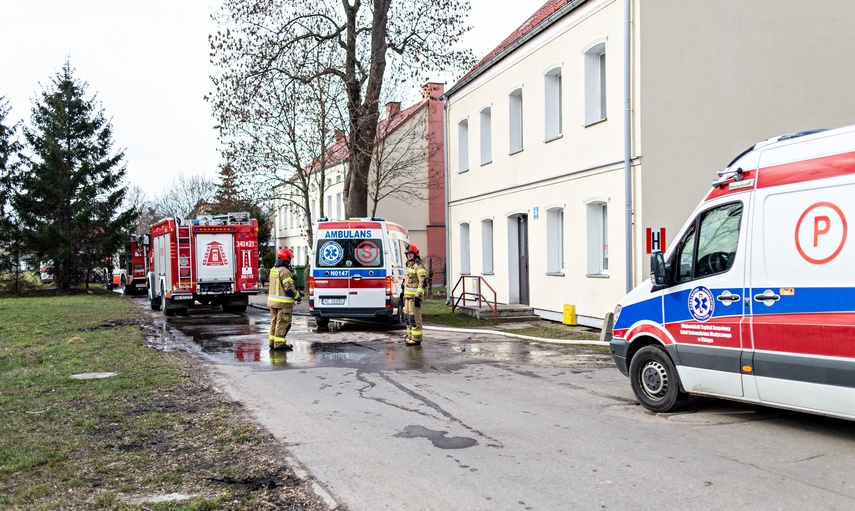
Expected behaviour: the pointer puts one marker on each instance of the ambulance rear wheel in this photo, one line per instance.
(323, 322)
(655, 381)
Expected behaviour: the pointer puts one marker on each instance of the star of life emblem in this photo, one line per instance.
(331, 253)
(701, 303)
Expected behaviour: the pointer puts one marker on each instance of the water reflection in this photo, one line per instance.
(365, 346)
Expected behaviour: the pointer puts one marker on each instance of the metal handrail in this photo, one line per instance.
(479, 295)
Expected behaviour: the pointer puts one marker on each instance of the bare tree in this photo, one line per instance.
(269, 44)
(184, 196)
(284, 145)
(400, 167)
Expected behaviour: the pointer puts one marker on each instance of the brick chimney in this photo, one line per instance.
(393, 108)
(432, 90)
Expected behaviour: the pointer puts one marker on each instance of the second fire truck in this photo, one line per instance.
(212, 260)
(127, 269)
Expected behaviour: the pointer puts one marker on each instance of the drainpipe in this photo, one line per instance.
(627, 139)
(445, 177)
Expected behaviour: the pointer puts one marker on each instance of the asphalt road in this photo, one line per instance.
(479, 422)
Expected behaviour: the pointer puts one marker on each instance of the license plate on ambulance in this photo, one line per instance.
(332, 301)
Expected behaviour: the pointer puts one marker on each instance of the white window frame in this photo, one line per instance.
(486, 118)
(555, 241)
(487, 265)
(595, 83)
(339, 205)
(515, 121)
(598, 237)
(553, 104)
(463, 145)
(465, 259)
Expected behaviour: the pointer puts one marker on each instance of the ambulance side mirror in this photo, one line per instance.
(658, 269)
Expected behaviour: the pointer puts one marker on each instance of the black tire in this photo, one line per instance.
(655, 381)
(323, 322)
(155, 303)
(124, 285)
(398, 317)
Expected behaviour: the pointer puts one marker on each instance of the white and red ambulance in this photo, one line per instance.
(358, 270)
(756, 299)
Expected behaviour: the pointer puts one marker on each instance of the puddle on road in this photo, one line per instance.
(242, 338)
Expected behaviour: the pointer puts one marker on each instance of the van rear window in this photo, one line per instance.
(349, 253)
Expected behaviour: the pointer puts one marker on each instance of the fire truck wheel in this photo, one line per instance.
(155, 303)
(124, 285)
(655, 381)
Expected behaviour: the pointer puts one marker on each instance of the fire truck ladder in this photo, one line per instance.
(241, 218)
(185, 256)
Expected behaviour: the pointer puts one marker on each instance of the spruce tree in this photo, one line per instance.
(10, 238)
(71, 187)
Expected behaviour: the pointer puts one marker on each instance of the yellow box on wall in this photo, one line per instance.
(569, 315)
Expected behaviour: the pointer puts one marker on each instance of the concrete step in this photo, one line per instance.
(506, 313)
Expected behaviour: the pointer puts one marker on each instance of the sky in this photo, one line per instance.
(147, 64)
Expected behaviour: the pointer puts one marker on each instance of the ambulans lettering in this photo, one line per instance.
(347, 234)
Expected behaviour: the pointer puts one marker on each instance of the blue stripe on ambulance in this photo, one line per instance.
(326, 273)
(806, 300)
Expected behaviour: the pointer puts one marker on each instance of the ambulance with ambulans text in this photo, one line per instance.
(358, 270)
(755, 301)
(209, 261)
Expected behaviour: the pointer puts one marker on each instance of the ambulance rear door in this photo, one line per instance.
(349, 268)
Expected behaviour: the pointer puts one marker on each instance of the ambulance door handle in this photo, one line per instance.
(768, 297)
(357, 277)
(727, 298)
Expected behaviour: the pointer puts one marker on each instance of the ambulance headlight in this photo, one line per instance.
(617, 313)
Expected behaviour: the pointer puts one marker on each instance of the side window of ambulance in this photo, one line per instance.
(718, 238)
(685, 256)
(709, 246)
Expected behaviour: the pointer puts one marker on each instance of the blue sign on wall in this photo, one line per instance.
(536, 212)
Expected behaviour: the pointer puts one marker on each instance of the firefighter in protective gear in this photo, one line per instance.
(281, 299)
(414, 291)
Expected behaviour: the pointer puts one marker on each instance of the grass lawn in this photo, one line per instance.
(156, 428)
(435, 311)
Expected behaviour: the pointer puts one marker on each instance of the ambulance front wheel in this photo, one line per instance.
(655, 381)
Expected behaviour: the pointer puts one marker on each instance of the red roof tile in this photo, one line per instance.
(539, 16)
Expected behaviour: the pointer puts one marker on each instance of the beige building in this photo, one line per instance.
(406, 184)
(549, 131)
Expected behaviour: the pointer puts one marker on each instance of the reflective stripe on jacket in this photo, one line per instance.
(414, 282)
(281, 281)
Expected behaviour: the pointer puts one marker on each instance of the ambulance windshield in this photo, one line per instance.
(350, 253)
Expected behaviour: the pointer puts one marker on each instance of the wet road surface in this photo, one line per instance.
(242, 339)
(472, 421)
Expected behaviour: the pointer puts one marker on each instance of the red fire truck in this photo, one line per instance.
(127, 269)
(212, 260)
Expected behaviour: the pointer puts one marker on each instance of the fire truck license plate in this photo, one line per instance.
(332, 301)
(182, 297)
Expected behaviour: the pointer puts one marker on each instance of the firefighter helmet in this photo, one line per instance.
(285, 254)
(412, 249)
